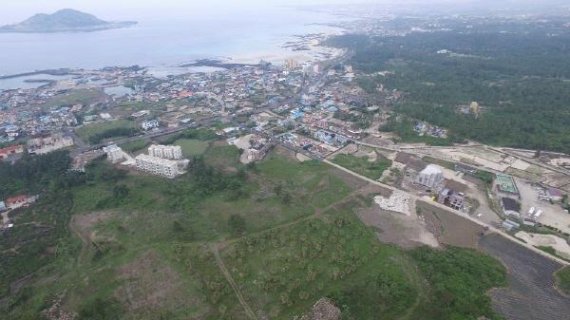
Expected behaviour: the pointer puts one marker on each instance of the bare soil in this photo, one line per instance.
(530, 294)
(149, 284)
(450, 228)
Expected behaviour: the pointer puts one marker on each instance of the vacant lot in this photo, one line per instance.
(192, 147)
(87, 132)
(530, 294)
(371, 168)
(449, 228)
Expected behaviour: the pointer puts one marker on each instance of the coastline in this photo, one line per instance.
(305, 48)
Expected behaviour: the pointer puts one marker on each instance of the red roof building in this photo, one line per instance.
(11, 150)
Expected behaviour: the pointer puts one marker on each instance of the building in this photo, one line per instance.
(431, 177)
(114, 153)
(506, 184)
(165, 152)
(2, 206)
(19, 201)
(511, 207)
(554, 194)
(49, 144)
(11, 150)
(150, 124)
(161, 167)
(451, 199)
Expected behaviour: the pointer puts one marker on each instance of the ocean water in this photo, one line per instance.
(161, 41)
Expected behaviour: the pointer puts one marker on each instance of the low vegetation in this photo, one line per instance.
(363, 165)
(284, 230)
(563, 280)
(97, 132)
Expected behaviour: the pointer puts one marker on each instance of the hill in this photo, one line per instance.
(65, 20)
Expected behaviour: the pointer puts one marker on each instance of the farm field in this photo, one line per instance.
(530, 293)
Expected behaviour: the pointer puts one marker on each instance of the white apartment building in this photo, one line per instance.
(114, 153)
(158, 166)
(165, 152)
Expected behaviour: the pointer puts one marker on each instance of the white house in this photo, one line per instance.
(150, 124)
(431, 177)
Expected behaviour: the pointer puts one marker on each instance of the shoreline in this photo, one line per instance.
(307, 48)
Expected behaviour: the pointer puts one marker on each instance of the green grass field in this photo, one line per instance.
(362, 166)
(80, 96)
(88, 131)
(563, 280)
(192, 147)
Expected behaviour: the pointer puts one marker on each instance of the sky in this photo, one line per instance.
(13, 11)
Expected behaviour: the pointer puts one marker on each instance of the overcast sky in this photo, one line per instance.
(12, 11)
(16, 10)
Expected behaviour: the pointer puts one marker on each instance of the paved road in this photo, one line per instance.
(465, 216)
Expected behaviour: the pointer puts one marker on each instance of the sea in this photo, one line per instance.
(163, 42)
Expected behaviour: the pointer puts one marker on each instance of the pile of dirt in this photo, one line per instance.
(324, 309)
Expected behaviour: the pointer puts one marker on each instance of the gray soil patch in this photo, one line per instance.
(530, 294)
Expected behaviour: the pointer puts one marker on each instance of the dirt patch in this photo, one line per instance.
(407, 231)
(546, 240)
(449, 228)
(302, 158)
(149, 285)
(530, 294)
(84, 224)
(324, 309)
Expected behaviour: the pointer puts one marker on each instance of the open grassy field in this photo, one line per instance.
(87, 132)
(135, 145)
(362, 166)
(79, 96)
(192, 147)
(563, 280)
(263, 241)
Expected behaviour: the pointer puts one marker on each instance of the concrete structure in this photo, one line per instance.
(165, 152)
(397, 202)
(451, 199)
(161, 167)
(150, 124)
(114, 153)
(431, 177)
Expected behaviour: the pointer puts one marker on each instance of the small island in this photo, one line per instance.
(66, 20)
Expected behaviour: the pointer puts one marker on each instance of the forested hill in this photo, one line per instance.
(522, 80)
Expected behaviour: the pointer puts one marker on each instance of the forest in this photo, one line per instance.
(521, 80)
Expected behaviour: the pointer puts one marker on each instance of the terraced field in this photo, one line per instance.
(531, 294)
